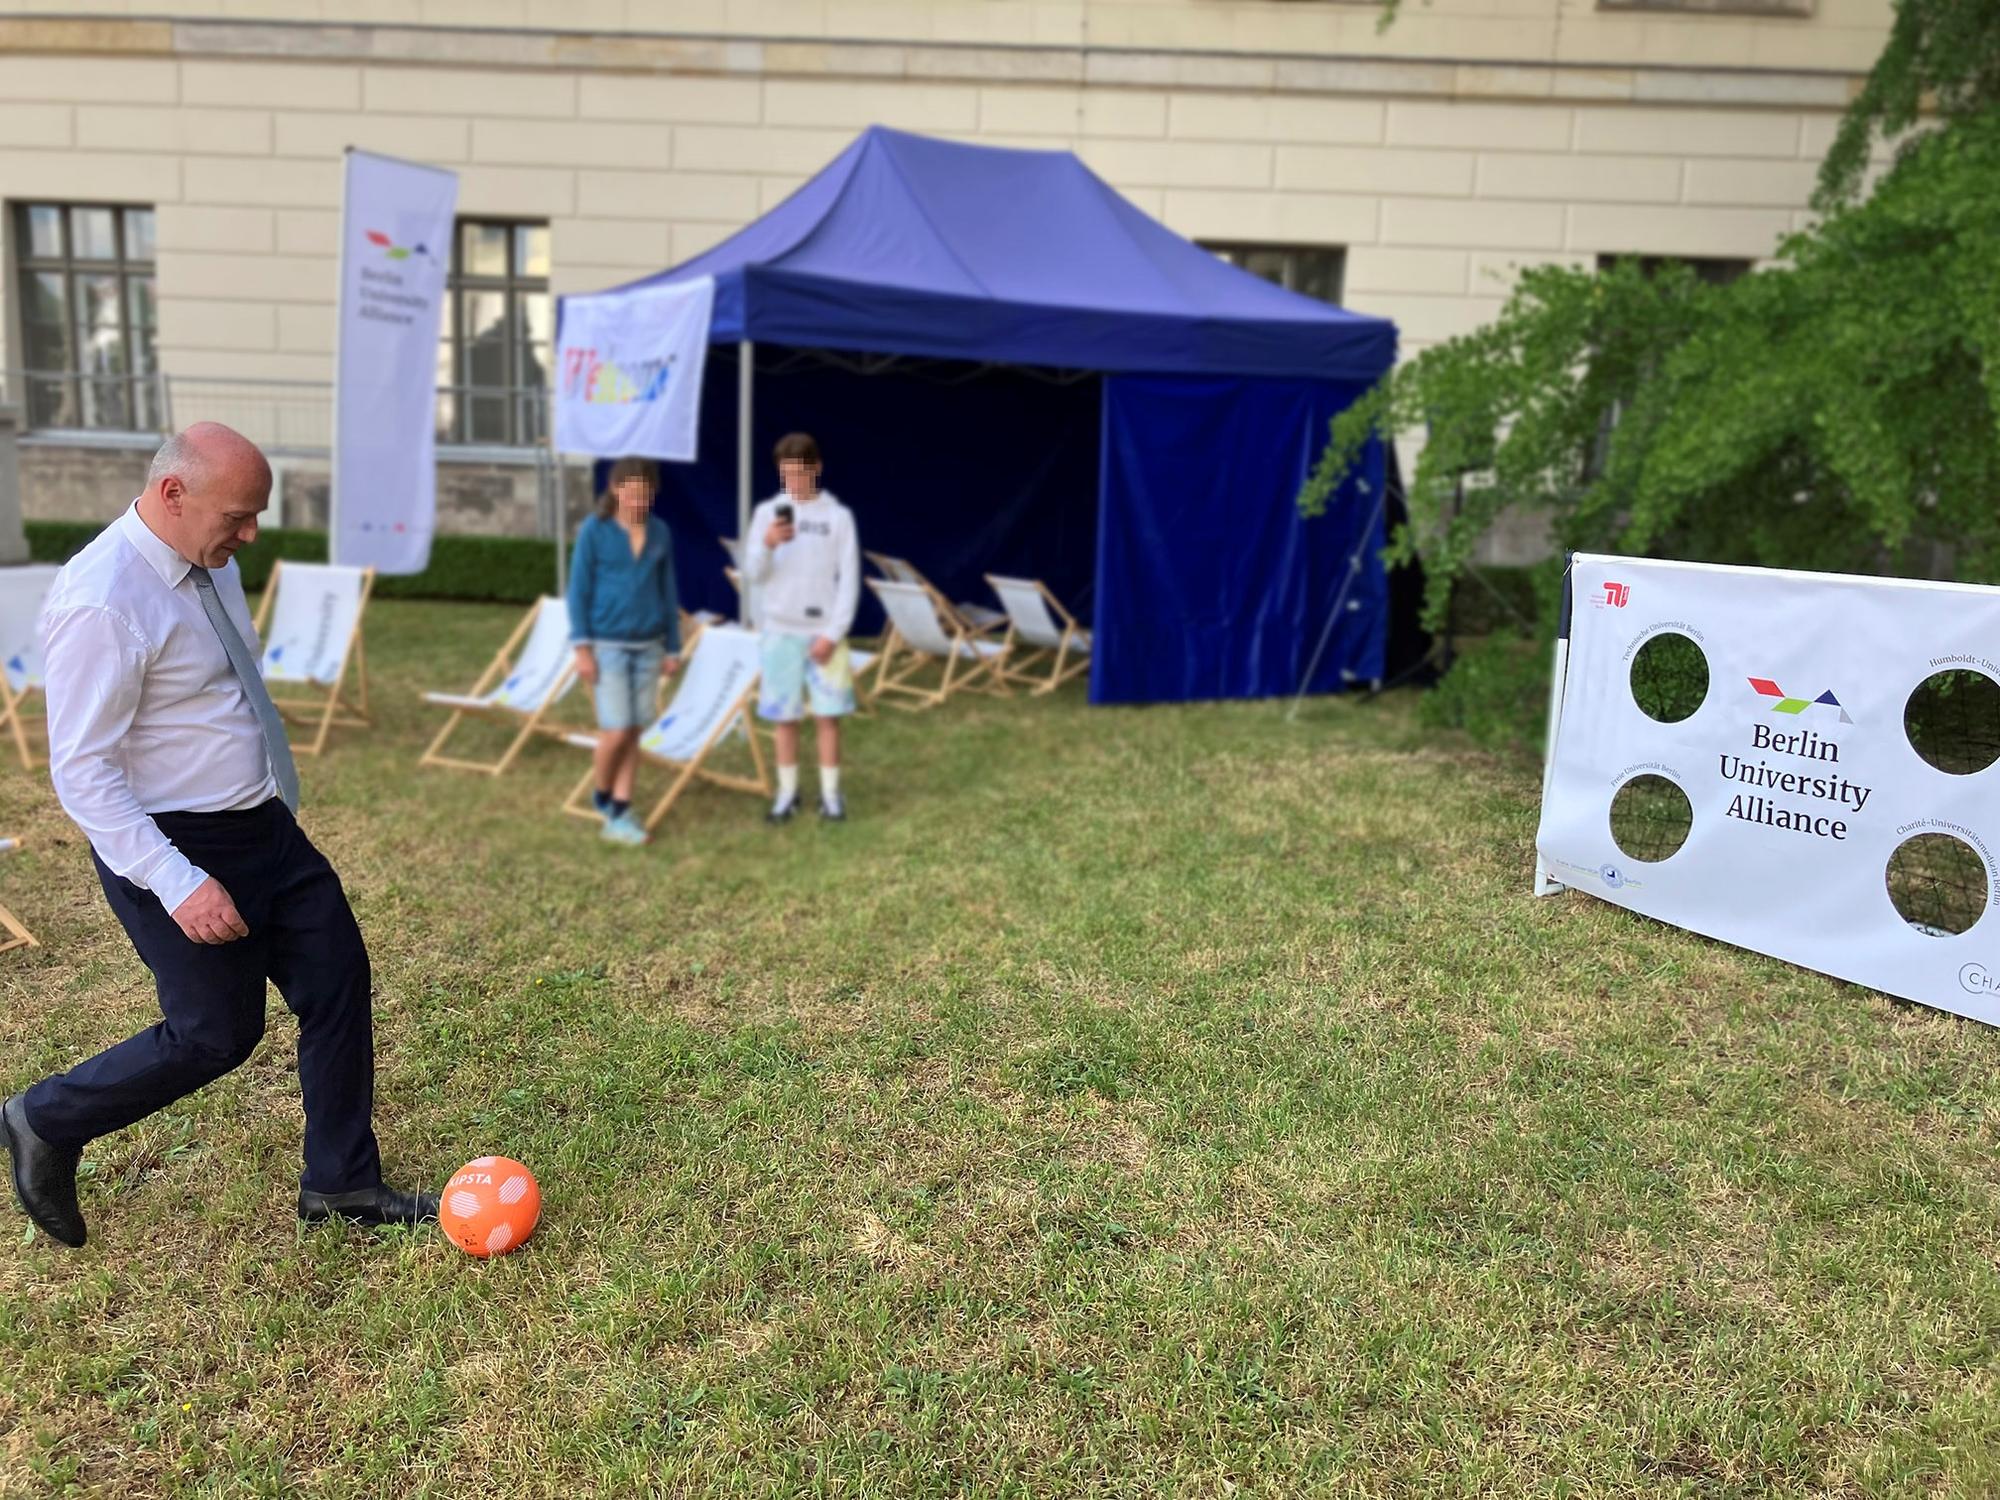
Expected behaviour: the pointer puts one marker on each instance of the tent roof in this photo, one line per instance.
(905, 244)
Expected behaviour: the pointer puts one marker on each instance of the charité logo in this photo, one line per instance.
(1819, 781)
(1977, 979)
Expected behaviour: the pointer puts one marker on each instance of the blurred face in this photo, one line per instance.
(209, 525)
(635, 501)
(801, 479)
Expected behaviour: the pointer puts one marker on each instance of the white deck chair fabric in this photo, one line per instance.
(541, 661)
(1029, 612)
(22, 592)
(734, 547)
(313, 622)
(912, 609)
(707, 694)
(978, 616)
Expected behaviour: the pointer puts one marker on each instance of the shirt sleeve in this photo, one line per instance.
(581, 583)
(95, 664)
(756, 556)
(847, 583)
(670, 593)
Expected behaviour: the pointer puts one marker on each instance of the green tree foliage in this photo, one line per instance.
(1840, 410)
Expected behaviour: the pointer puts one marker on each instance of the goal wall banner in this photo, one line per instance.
(1797, 768)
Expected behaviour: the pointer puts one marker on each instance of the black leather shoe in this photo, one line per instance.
(376, 1205)
(44, 1177)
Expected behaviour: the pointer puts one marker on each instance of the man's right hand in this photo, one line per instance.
(777, 534)
(586, 664)
(209, 916)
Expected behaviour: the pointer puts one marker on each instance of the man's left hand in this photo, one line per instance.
(822, 651)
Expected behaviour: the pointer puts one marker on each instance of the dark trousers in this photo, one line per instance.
(303, 938)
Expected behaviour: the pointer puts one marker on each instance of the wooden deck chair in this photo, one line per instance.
(925, 632)
(310, 624)
(12, 933)
(714, 692)
(1045, 645)
(734, 547)
(977, 619)
(22, 591)
(526, 678)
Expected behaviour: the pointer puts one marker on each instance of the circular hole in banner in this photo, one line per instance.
(1938, 884)
(1669, 678)
(1650, 819)
(1953, 721)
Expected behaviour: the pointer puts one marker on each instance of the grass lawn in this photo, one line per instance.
(1175, 1101)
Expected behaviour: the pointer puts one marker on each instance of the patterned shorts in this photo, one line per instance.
(790, 676)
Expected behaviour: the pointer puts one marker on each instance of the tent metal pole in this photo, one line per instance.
(746, 357)
(1340, 600)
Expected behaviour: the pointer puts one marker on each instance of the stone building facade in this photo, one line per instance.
(1409, 171)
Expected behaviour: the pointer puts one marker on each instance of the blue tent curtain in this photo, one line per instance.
(1209, 584)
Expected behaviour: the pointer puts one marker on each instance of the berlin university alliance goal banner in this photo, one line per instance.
(395, 255)
(1795, 763)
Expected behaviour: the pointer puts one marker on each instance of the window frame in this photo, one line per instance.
(460, 398)
(1228, 252)
(141, 400)
(1783, 10)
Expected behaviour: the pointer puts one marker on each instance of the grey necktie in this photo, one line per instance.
(275, 744)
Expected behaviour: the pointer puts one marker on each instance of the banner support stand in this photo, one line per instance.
(339, 294)
(1546, 884)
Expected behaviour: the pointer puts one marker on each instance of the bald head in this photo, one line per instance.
(204, 491)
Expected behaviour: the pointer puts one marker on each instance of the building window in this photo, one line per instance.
(1716, 270)
(1316, 270)
(493, 362)
(1802, 9)
(89, 326)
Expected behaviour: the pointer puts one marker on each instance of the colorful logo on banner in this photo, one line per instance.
(602, 381)
(1615, 596)
(1790, 705)
(393, 251)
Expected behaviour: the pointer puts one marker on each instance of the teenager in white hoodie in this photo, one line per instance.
(804, 558)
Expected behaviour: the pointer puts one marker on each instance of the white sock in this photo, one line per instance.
(829, 783)
(788, 784)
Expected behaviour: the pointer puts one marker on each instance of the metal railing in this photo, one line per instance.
(291, 418)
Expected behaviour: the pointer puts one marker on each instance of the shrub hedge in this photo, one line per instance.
(495, 569)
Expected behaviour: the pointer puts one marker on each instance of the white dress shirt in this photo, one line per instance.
(145, 713)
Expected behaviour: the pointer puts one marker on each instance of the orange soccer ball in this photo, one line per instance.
(490, 1206)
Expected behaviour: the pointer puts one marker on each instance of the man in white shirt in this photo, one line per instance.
(166, 751)
(804, 557)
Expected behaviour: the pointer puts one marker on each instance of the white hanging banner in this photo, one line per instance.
(395, 255)
(629, 368)
(1813, 811)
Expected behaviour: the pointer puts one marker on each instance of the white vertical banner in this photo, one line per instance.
(395, 256)
(629, 369)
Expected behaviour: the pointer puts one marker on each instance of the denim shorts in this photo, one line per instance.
(628, 682)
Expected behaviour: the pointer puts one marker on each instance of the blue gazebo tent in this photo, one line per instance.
(1013, 369)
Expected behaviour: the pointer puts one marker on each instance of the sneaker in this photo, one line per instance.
(783, 810)
(832, 810)
(624, 829)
